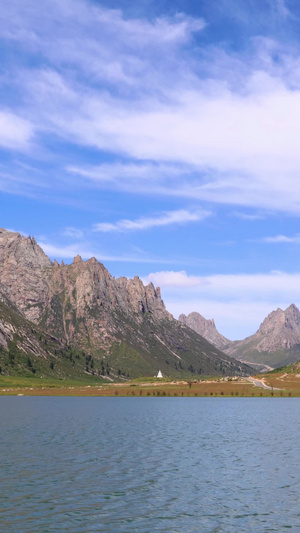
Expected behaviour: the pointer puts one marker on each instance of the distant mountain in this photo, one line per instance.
(206, 328)
(275, 344)
(119, 324)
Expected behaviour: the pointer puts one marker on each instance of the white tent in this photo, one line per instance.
(159, 375)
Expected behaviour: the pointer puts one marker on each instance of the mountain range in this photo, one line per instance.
(276, 343)
(77, 320)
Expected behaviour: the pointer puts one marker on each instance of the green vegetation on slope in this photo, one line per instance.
(274, 359)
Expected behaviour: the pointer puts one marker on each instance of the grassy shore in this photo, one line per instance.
(289, 385)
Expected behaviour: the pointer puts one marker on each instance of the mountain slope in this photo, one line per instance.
(28, 350)
(120, 323)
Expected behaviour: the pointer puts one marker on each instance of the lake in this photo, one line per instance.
(149, 464)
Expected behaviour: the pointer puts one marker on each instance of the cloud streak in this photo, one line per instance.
(281, 239)
(70, 251)
(170, 218)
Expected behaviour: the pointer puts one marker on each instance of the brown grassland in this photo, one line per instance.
(288, 383)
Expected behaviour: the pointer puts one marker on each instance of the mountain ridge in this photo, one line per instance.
(116, 320)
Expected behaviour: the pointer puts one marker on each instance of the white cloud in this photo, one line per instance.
(180, 216)
(234, 285)
(174, 279)
(231, 149)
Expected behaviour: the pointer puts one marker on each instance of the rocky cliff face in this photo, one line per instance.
(206, 328)
(66, 299)
(281, 329)
(24, 273)
(82, 306)
(86, 302)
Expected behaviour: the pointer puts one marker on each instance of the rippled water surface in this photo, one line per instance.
(149, 464)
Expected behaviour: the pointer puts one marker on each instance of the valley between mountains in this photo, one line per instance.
(275, 344)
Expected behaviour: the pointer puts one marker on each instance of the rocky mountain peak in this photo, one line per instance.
(25, 251)
(24, 271)
(60, 296)
(292, 316)
(284, 326)
(204, 327)
(77, 259)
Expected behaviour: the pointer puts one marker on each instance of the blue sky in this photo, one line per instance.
(164, 139)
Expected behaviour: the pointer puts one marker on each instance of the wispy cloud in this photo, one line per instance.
(283, 9)
(170, 218)
(248, 216)
(70, 251)
(74, 233)
(138, 173)
(283, 239)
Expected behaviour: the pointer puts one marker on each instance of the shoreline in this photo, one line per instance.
(210, 388)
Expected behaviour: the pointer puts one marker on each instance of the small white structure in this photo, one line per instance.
(159, 375)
